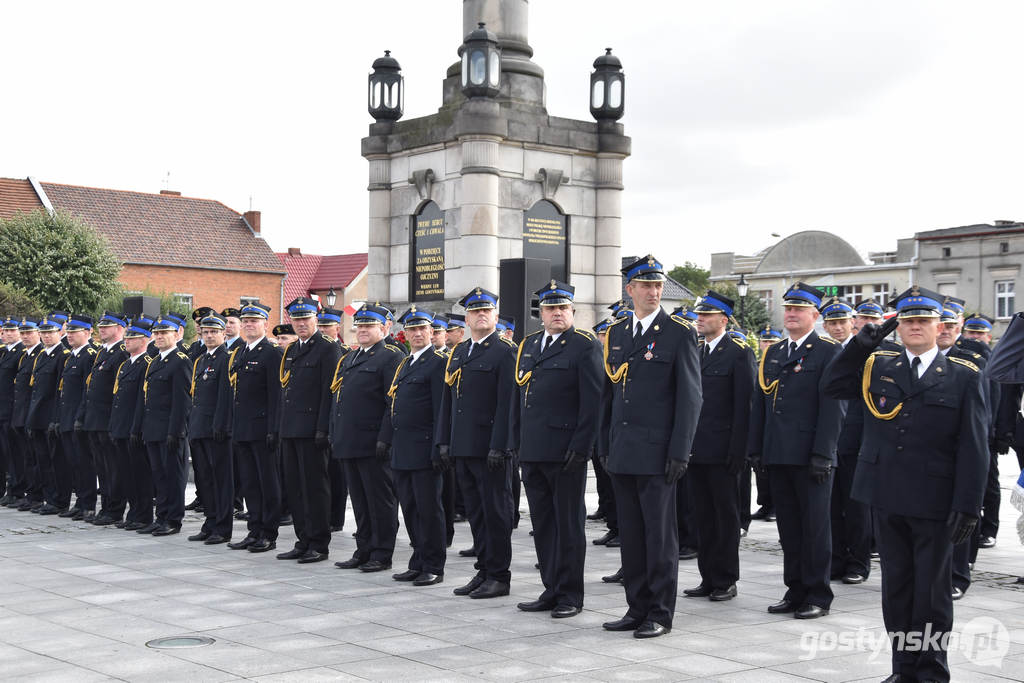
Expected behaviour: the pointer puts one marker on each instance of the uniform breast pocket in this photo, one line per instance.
(479, 367)
(557, 364)
(941, 400)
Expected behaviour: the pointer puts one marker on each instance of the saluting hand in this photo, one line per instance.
(871, 335)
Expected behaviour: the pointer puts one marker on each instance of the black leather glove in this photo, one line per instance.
(53, 429)
(573, 460)
(383, 451)
(961, 525)
(173, 441)
(603, 459)
(1001, 445)
(820, 468)
(220, 437)
(444, 457)
(513, 454)
(135, 440)
(871, 335)
(321, 441)
(736, 463)
(272, 441)
(674, 470)
(754, 460)
(496, 459)
(78, 425)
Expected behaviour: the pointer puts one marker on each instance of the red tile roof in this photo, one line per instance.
(312, 272)
(167, 229)
(16, 195)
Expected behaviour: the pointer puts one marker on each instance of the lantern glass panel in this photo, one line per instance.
(465, 68)
(615, 94)
(375, 94)
(597, 98)
(391, 100)
(477, 67)
(495, 72)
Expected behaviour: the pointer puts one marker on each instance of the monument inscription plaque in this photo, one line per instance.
(426, 272)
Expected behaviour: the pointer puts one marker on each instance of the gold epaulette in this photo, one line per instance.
(585, 333)
(90, 350)
(440, 354)
(511, 344)
(965, 363)
(883, 352)
(682, 321)
(830, 340)
(327, 338)
(66, 351)
(148, 359)
(182, 355)
(739, 342)
(122, 346)
(395, 349)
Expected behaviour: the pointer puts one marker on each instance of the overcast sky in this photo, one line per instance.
(872, 120)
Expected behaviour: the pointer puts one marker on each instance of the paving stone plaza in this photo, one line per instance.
(79, 603)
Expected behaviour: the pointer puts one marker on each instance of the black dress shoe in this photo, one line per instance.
(149, 528)
(353, 562)
(375, 566)
(121, 524)
(809, 611)
(743, 532)
(243, 544)
(700, 591)
(723, 594)
(5, 500)
(201, 536)
(468, 552)
(103, 520)
(899, 678)
(782, 607)
(614, 542)
(603, 540)
(650, 629)
(337, 527)
(957, 593)
(428, 579)
(216, 539)
(407, 575)
(490, 589)
(473, 584)
(48, 510)
(686, 553)
(25, 505)
(89, 517)
(596, 515)
(986, 542)
(78, 516)
(193, 505)
(614, 578)
(244, 516)
(285, 520)
(261, 546)
(167, 530)
(853, 578)
(312, 556)
(565, 611)
(134, 526)
(761, 513)
(293, 554)
(459, 517)
(536, 606)
(70, 512)
(623, 624)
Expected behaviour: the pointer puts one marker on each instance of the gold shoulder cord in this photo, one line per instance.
(232, 376)
(32, 377)
(145, 382)
(336, 381)
(393, 389)
(195, 365)
(117, 375)
(865, 382)
(767, 388)
(524, 379)
(451, 378)
(281, 374)
(623, 369)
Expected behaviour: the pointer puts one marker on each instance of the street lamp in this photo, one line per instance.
(386, 97)
(742, 287)
(607, 88)
(332, 296)
(481, 63)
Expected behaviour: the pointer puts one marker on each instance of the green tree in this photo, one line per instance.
(749, 312)
(691, 276)
(59, 260)
(16, 302)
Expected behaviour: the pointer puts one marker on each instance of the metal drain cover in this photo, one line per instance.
(177, 642)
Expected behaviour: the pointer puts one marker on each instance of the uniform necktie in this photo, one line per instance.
(472, 347)
(792, 349)
(639, 331)
(547, 343)
(915, 367)
(707, 350)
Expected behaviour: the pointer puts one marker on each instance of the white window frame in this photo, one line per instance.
(880, 293)
(1005, 298)
(183, 300)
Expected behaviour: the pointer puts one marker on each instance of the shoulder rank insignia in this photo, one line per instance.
(585, 333)
(392, 347)
(90, 350)
(326, 337)
(738, 342)
(181, 355)
(509, 342)
(883, 352)
(830, 340)
(965, 363)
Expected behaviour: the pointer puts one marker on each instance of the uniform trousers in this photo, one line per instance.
(168, 467)
(199, 472)
(261, 487)
(111, 471)
(5, 461)
(715, 496)
(12, 445)
(487, 495)
(419, 492)
(448, 488)
(84, 476)
(764, 491)
(650, 545)
(915, 558)
(33, 471)
(217, 473)
(339, 492)
(605, 497)
(558, 512)
(745, 497)
(851, 524)
(688, 536)
(372, 488)
(805, 531)
(54, 468)
(136, 477)
(309, 493)
(988, 525)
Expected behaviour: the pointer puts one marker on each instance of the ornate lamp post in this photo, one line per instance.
(386, 97)
(607, 88)
(481, 63)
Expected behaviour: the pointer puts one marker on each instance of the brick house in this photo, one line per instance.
(198, 250)
(317, 276)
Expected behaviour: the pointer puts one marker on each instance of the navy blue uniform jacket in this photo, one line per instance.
(361, 386)
(727, 383)
(128, 400)
(46, 372)
(556, 408)
(306, 375)
(165, 400)
(73, 386)
(257, 390)
(652, 397)
(416, 394)
(211, 395)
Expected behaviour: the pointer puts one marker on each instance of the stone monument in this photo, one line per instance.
(492, 176)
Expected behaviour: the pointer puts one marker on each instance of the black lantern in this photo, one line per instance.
(332, 296)
(481, 63)
(607, 88)
(742, 287)
(386, 97)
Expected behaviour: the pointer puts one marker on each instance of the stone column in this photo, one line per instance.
(476, 251)
(378, 283)
(608, 230)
